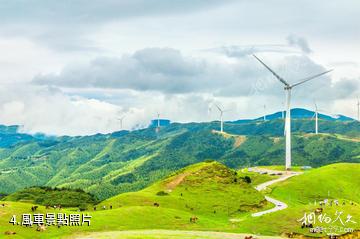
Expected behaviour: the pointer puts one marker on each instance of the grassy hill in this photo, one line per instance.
(53, 196)
(106, 165)
(335, 181)
(208, 188)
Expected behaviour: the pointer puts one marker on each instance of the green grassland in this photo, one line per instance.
(335, 181)
(201, 189)
(209, 189)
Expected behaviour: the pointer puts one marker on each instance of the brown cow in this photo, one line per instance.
(193, 219)
(319, 210)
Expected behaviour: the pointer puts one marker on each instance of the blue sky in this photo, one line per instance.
(74, 67)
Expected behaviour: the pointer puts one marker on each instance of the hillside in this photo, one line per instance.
(336, 181)
(124, 161)
(208, 188)
(209, 192)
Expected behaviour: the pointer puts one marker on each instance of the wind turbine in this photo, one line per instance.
(316, 115)
(158, 123)
(358, 108)
(221, 118)
(121, 119)
(264, 112)
(288, 87)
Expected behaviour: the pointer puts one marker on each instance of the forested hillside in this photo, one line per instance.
(106, 165)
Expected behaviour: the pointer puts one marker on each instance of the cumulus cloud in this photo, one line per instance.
(168, 71)
(300, 42)
(48, 110)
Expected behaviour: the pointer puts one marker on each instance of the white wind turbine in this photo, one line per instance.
(221, 118)
(288, 89)
(264, 112)
(121, 120)
(358, 109)
(316, 115)
(157, 129)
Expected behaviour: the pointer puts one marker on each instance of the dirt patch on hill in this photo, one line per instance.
(176, 181)
(239, 140)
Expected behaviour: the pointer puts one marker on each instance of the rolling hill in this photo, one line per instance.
(108, 164)
(209, 192)
(335, 181)
(208, 188)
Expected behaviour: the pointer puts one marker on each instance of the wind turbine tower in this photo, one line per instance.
(221, 118)
(158, 120)
(316, 119)
(288, 87)
(264, 112)
(121, 119)
(358, 109)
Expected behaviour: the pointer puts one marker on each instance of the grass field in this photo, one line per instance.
(199, 190)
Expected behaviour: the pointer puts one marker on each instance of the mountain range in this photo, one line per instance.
(108, 164)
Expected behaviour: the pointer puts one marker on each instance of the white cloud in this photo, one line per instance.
(143, 56)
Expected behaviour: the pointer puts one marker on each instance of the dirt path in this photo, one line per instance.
(166, 234)
(278, 204)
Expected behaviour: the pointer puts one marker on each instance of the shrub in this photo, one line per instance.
(162, 193)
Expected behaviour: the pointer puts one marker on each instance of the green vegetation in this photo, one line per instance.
(209, 189)
(106, 165)
(53, 196)
(336, 181)
(198, 190)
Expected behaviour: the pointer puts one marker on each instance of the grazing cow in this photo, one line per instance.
(319, 210)
(34, 208)
(156, 204)
(10, 233)
(291, 235)
(41, 228)
(193, 219)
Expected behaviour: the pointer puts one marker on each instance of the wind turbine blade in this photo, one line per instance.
(273, 72)
(310, 78)
(218, 108)
(313, 116)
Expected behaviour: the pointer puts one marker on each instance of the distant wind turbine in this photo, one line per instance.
(121, 119)
(316, 115)
(288, 89)
(358, 109)
(157, 129)
(264, 112)
(221, 117)
(158, 120)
